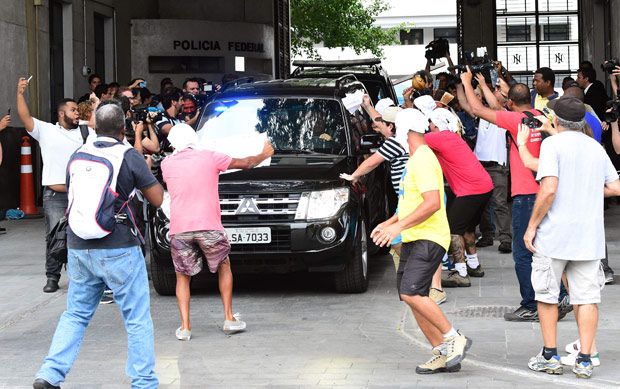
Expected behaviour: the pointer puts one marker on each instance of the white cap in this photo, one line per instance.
(182, 136)
(409, 119)
(426, 104)
(444, 120)
(383, 104)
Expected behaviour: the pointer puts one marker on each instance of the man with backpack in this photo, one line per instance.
(104, 249)
(57, 142)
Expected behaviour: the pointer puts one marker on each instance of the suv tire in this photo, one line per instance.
(354, 277)
(165, 283)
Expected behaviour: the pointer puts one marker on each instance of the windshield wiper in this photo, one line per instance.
(295, 151)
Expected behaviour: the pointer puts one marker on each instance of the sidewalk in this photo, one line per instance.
(506, 346)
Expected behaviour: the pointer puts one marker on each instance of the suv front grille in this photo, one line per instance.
(271, 206)
(280, 242)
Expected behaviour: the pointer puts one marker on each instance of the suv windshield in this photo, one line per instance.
(292, 124)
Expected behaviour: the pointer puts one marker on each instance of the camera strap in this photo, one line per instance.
(84, 132)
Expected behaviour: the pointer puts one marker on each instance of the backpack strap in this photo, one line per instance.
(84, 131)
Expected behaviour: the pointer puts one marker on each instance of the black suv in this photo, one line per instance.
(295, 214)
(368, 71)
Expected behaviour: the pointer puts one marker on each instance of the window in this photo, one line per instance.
(519, 33)
(413, 37)
(448, 33)
(555, 32)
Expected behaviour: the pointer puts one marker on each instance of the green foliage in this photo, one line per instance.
(339, 23)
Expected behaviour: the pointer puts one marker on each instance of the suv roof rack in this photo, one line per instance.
(345, 78)
(237, 82)
(336, 64)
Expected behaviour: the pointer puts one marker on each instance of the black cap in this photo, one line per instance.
(568, 108)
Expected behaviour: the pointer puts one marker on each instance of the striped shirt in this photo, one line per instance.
(394, 153)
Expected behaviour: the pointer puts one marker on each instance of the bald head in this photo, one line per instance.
(520, 94)
(574, 91)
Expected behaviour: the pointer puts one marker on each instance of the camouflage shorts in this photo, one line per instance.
(187, 249)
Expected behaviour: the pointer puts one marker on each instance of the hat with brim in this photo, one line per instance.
(389, 114)
(383, 104)
(568, 108)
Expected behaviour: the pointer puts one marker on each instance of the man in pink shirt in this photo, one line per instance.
(471, 185)
(192, 177)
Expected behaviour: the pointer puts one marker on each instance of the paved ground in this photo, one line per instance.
(300, 333)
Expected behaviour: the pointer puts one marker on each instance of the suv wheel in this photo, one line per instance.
(354, 277)
(164, 282)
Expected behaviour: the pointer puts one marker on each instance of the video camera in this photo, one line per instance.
(610, 65)
(139, 113)
(437, 49)
(479, 64)
(477, 68)
(614, 114)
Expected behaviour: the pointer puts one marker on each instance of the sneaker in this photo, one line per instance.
(454, 279)
(484, 242)
(571, 359)
(183, 334)
(40, 383)
(574, 347)
(457, 347)
(583, 370)
(549, 366)
(231, 327)
(476, 272)
(521, 314)
(564, 307)
(505, 247)
(3, 231)
(106, 299)
(437, 364)
(438, 296)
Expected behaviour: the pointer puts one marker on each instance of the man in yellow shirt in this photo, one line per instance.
(422, 221)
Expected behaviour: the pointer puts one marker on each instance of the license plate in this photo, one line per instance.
(249, 235)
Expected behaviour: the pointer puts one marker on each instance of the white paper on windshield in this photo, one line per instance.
(238, 146)
(352, 101)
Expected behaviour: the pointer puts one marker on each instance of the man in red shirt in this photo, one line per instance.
(471, 186)
(192, 177)
(523, 188)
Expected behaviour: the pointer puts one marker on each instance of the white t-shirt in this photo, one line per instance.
(574, 229)
(57, 145)
(491, 143)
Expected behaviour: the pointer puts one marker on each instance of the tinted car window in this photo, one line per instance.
(290, 123)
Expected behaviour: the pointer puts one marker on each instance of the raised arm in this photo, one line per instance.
(22, 107)
(460, 95)
(476, 105)
(488, 94)
(250, 162)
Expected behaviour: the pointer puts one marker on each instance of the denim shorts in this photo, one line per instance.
(188, 248)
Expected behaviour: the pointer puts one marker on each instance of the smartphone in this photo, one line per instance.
(494, 77)
(142, 84)
(9, 111)
(207, 86)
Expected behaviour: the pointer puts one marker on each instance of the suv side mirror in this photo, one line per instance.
(371, 141)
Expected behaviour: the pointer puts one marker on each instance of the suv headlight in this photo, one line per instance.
(321, 204)
(165, 204)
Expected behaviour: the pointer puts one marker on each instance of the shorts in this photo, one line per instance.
(464, 212)
(585, 279)
(419, 260)
(188, 248)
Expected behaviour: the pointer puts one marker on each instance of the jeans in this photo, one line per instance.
(522, 206)
(54, 208)
(124, 271)
(499, 176)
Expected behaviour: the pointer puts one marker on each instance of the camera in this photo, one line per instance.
(140, 111)
(475, 68)
(614, 114)
(610, 65)
(437, 49)
(531, 122)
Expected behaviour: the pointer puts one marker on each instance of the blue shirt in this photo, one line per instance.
(595, 125)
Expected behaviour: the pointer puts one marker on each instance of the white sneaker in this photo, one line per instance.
(570, 359)
(231, 327)
(182, 334)
(573, 347)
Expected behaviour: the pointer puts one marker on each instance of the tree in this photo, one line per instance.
(339, 23)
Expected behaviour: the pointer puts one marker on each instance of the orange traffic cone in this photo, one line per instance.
(27, 187)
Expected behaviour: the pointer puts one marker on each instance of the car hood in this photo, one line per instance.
(290, 173)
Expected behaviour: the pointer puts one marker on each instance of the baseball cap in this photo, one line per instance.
(389, 114)
(426, 104)
(409, 119)
(568, 108)
(445, 120)
(383, 104)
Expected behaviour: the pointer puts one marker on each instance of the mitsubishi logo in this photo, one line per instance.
(247, 207)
